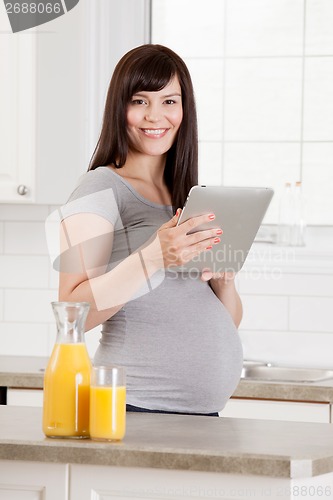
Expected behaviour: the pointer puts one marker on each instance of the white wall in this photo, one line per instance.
(287, 295)
(25, 281)
(28, 283)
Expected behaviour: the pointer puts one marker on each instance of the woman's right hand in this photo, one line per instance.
(178, 247)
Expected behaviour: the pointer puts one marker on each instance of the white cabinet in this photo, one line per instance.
(298, 411)
(42, 100)
(277, 410)
(33, 481)
(18, 115)
(24, 397)
(52, 91)
(51, 481)
(90, 482)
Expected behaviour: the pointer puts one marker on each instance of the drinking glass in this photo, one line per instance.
(107, 403)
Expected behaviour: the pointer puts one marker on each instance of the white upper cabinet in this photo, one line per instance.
(42, 90)
(18, 116)
(53, 83)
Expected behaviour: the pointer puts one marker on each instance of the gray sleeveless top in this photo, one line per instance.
(177, 341)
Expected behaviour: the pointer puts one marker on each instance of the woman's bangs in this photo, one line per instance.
(152, 77)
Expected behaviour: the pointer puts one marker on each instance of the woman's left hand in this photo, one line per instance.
(223, 285)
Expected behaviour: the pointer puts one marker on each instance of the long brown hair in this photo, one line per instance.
(150, 68)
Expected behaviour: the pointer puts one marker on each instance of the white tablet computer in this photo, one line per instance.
(238, 211)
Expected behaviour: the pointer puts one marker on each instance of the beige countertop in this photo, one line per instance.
(179, 442)
(22, 371)
(27, 372)
(320, 392)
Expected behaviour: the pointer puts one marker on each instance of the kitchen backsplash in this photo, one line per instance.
(287, 295)
(27, 283)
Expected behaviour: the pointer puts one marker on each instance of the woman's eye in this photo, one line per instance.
(137, 101)
(170, 101)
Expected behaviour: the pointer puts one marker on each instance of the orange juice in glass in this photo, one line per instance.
(67, 376)
(107, 403)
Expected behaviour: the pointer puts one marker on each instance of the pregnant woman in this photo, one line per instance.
(174, 332)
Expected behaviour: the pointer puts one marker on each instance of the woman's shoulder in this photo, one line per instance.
(94, 181)
(95, 192)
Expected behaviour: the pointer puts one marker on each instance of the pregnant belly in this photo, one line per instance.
(181, 354)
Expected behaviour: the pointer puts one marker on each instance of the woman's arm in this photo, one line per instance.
(86, 242)
(223, 285)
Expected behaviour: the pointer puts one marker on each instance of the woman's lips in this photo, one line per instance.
(154, 133)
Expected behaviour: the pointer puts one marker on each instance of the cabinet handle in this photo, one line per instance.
(22, 189)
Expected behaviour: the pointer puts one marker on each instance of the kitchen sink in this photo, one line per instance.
(284, 374)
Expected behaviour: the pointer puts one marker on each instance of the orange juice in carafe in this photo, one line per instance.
(67, 376)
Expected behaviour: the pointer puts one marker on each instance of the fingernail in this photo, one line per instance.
(219, 231)
(217, 240)
(209, 248)
(211, 216)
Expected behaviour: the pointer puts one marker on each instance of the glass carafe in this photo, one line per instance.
(67, 376)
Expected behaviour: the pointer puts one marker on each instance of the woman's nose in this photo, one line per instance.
(152, 115)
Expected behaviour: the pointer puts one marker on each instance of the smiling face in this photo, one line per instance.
(154, 118)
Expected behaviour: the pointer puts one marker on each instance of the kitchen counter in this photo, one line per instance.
(207, 444)
(321, 392)
(22, 371)
(27, 372)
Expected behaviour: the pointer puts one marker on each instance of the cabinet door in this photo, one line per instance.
(17, 122)
(24, 397)
(32, 481)
(91, 482)
(277, 410)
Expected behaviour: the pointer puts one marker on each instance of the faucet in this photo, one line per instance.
(257, 362)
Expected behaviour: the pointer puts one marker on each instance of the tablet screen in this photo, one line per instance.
(238, 211)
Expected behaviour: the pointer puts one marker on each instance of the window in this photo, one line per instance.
(263, 78)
